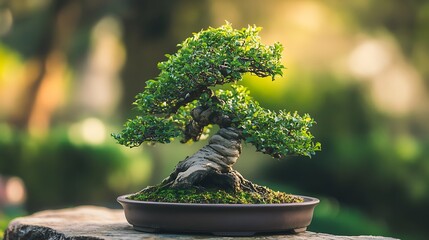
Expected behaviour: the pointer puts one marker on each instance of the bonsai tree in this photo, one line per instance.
(185, 100)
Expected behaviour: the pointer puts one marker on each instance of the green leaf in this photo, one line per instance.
(211, 57)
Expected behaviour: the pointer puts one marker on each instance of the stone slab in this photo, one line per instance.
(91, 222)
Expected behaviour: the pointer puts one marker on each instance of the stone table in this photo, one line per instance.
(90, 222)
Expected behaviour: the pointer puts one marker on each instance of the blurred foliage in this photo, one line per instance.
(358, 67)
(365, 161)
(60, 172)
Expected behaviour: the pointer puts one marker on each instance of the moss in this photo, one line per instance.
(195, 195)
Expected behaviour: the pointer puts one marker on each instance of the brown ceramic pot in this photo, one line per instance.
(219, 219)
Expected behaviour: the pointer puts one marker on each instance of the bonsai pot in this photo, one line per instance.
(182, 102)
(219, 219)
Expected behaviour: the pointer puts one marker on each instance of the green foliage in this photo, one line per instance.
(211, 57)
(218, 56)
(194, 195)
(276, 134)
(147, 128)
(49, 168)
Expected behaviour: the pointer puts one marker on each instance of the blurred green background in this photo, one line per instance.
(69, 71)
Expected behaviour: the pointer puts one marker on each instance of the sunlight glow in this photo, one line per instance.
(307, 15)
(395, 87)
(100, 88)
(88, 131)
(93, 131)
(51, 94)
(369, 59)
(395, 91)
(6, 21)
(15, 190)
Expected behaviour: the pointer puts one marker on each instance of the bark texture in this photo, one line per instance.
(212, 165)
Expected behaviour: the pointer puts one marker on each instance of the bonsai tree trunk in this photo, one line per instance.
(211, 166)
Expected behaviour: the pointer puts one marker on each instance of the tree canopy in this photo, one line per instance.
(217, 56)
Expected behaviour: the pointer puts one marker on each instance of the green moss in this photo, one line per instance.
(195, 195)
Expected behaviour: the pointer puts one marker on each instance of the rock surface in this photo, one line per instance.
(90, 222)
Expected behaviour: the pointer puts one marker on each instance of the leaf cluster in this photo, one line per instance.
(215, 56)
(147, 128)
(212, 57)
(275, 133)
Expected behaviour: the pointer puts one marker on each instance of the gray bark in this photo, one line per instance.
(211, 166)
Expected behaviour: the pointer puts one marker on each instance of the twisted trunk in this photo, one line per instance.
(211, 166)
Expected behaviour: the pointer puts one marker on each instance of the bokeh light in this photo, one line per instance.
(15, 191)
